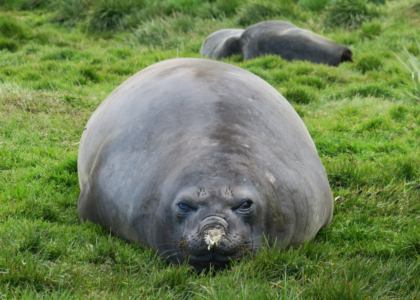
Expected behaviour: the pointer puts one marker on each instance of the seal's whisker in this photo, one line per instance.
(175, 254)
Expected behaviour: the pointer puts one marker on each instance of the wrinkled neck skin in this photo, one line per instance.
(209, 226)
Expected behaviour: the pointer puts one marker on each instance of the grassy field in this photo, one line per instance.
(60, 59)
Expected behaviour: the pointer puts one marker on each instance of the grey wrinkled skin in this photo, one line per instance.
(291, 43)
(209, 135)
(283, 39)
(222, 43)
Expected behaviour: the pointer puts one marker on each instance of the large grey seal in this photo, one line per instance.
(201, 160)
(291, 43)
(275, 37)
(222, 43)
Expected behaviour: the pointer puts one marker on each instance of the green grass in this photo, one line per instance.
(349, 13)
(57, 65)
(412, 64)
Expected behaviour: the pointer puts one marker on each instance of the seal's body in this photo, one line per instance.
(200, 159)
(222, 43)
(291, 43)
(276, 37)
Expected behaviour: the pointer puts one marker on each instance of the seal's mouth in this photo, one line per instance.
(212, 259)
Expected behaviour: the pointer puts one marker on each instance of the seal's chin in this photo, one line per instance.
(210, 257)
(211, 260)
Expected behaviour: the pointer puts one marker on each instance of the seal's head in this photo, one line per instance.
(214, 220)
(216, 223)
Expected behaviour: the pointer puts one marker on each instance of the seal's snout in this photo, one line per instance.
(213, 230)
(213, 222)
(213, 237)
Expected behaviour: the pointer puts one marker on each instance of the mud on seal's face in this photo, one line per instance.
(216, 224)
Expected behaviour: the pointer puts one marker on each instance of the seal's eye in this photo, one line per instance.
(246, 205)
(185, 207)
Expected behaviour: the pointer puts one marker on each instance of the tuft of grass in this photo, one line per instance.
(398, 112)
(311, 80)
(368, 63)
(371, 30)
(226, 8)
(415, 7)
(181, 23)
(60, 54)
(64, 173)
(413, 48)
(88, 75)
(152, 33)
(70, 12)
(9, 45)
(408, 169)
(11, 28)
(111, 14)
(377, 2)
(374, 124)
(366, 90)
(412, 64)
(299, 109)
(272, 62)
(24, 4)
(255, 13)
(314, 5)
(300, 95)
(261, 11)
(348, 13)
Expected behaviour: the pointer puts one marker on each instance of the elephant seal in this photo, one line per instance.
(222, 43)
(291, 43)
(201, 161)
(275, 37)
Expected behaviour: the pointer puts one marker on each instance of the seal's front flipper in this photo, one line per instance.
(87, 206)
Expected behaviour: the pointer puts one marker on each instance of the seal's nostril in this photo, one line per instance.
(213, 228)
(213, 237)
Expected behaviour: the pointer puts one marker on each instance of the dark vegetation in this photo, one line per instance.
(59, 59)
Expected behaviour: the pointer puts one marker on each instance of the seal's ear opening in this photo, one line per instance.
(346, 56)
